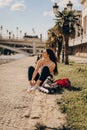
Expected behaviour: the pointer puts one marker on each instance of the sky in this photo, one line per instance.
(33, 17)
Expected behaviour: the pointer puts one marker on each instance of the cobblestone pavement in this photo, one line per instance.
(20, 110)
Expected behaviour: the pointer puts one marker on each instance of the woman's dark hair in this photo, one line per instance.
(53, 58)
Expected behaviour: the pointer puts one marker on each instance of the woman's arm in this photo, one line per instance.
(52, 67)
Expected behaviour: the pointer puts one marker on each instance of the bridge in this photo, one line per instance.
(23, 46)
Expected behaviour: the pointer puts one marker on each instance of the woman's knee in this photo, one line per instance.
(30, 72)
(30, 68)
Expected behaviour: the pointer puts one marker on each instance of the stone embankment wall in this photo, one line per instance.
(79, 50)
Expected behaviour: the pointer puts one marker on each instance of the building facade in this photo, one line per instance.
(84, 15)
(79, 44)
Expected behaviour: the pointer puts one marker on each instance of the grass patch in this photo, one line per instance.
(74, 101)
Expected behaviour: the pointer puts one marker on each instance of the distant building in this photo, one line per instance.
(79, 44)
(84, 15)
(78, 28)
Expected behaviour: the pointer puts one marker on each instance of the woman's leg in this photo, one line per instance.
(30, 73)
(44, 74)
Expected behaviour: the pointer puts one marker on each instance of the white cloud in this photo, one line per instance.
(19, 6)
(53, 1)
(5, 2)
(48, 13)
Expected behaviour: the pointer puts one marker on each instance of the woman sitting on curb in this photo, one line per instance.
(47, 66)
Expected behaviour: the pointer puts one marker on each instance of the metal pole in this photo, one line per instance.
(34, 48)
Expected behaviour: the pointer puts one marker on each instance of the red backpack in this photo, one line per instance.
(63, 82)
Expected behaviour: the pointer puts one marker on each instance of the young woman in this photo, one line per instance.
(47, 66)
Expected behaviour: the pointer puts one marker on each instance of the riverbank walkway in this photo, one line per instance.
(20, 110)
(78, 59)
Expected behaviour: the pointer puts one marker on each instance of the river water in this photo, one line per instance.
(8, 58)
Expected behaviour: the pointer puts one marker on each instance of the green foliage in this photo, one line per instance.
(74, 101)
(65, 21)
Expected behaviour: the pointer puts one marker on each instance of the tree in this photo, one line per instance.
(53, 41)
(52, 38)
(65, 22)
(60, 46)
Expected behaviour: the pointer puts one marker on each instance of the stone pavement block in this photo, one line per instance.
(31, 125)
(46, 111)
(8, 128)
(27, 113)
(51, 99)
(37, 105)
(36, 112)
(53, 117)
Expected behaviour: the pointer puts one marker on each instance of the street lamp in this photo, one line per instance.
(55, 8)
(69, 6)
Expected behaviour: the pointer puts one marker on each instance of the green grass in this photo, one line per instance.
(74, 101)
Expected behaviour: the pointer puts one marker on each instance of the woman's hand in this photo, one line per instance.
(32, 82)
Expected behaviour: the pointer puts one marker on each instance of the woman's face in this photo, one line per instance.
(45, 54)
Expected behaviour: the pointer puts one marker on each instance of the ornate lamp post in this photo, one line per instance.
(69, 6)
(55, 8)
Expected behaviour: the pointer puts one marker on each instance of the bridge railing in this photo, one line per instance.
(24, 40)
